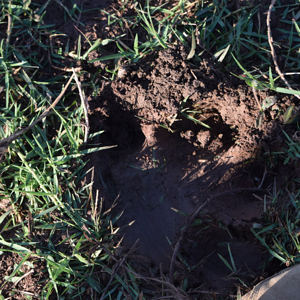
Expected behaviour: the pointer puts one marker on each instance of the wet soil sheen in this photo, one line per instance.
(166, 165)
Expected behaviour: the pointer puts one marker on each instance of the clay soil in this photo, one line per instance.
(166, 165)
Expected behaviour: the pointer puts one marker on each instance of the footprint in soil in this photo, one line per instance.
(166, 163)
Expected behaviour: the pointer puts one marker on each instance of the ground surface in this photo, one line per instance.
(28, 284)
(165, 164)
(154, 169)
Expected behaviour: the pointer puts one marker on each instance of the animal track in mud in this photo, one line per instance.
(165, 160)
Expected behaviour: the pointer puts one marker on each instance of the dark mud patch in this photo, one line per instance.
(166, 164)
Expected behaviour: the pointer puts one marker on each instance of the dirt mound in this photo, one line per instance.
(154, 90)
(168, 162)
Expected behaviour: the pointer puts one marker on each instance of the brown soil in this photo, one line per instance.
(31, 285)
(165, 163)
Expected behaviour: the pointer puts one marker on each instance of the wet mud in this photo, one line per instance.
(168, 162)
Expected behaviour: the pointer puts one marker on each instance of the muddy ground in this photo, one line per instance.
(166, 165)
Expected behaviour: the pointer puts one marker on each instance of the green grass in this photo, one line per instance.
(218, 30)
(279, 230)
(41, 170)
